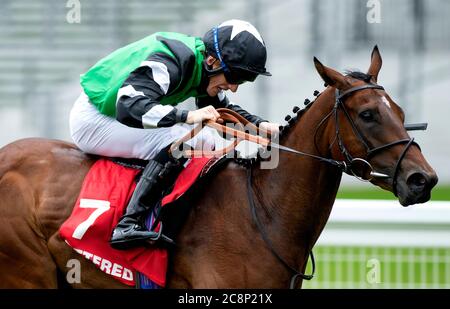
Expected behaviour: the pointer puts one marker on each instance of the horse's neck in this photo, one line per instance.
(292, 202)
(300, 192)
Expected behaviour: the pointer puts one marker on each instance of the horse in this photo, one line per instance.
(249, 227)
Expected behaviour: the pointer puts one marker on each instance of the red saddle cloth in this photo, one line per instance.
(104, 195)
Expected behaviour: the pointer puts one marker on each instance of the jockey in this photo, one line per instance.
(127, 108)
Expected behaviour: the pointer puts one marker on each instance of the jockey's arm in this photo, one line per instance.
(138, 100)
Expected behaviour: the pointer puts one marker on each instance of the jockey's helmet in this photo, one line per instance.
(240, 49)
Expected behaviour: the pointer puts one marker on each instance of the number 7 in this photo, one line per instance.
(100, 207)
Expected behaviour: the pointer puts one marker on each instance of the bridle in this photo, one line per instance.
(346, 166)
(370, 151)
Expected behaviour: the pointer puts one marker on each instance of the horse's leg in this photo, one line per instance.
(90, 275)
(25, 261)
(39, 184)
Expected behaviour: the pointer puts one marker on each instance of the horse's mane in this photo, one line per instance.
(292, 120)
(308, 103)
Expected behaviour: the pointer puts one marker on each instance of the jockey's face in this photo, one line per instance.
(218, 82)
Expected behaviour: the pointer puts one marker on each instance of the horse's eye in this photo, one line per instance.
(367, 116)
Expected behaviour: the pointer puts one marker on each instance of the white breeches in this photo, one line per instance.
(98, 134)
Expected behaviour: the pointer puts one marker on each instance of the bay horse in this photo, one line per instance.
(220, 244)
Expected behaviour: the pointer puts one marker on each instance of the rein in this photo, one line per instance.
(265, 237)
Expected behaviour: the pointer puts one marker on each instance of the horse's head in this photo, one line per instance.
(370, 126)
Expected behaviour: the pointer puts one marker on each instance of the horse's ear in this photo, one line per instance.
(330, 76)
(375, 64)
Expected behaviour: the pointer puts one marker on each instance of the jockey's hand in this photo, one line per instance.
(270, 126)
(205, 113)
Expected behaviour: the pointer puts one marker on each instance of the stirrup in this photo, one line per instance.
(160, 236)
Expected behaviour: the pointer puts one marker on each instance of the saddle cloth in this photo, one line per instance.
(105, 192)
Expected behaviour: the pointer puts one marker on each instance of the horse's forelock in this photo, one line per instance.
(359, 75)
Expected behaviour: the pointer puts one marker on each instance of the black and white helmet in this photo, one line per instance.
(240, 49)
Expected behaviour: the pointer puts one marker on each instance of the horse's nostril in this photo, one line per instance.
(416, 181)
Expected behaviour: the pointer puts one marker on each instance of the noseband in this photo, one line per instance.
(371, 151)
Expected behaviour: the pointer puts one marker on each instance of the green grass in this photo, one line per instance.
(396, 267)
(403, 267)
(440, 193)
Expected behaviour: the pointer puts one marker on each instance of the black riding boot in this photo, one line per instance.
(131, 231)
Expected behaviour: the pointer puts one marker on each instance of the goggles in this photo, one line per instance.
(239, 76)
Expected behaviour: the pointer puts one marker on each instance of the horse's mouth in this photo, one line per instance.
(411, 200)
(416, 189)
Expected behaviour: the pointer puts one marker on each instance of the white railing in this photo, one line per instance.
(387, 223)
(404, 247)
